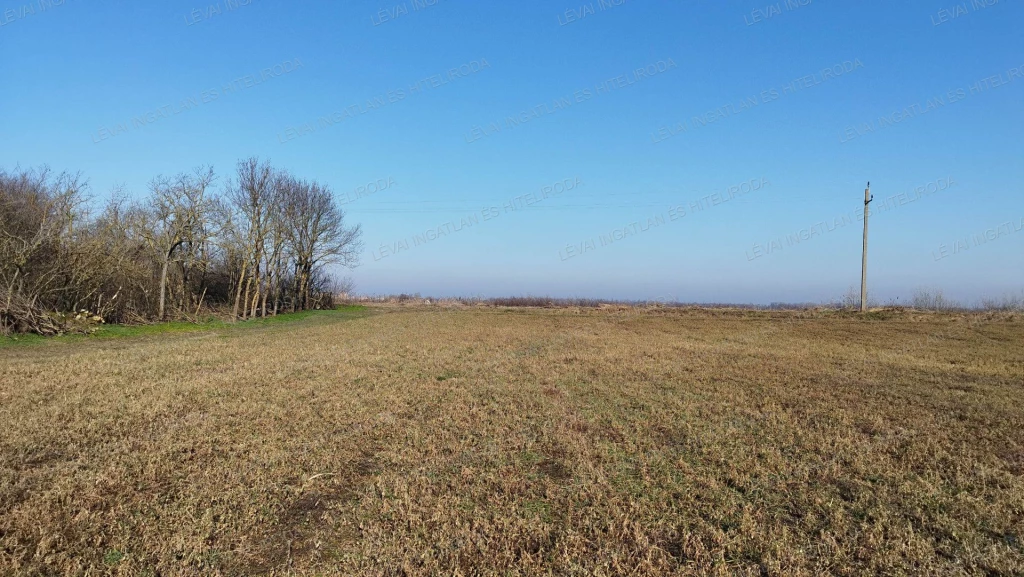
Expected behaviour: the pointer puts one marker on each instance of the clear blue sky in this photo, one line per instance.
(75, 71)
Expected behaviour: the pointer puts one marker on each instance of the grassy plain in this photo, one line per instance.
(420, 440)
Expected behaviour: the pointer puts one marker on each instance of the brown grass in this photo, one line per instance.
(474, 440)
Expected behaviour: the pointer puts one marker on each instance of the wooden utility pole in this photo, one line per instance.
(864, 254)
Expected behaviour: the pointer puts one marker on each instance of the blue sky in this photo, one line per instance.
(652, 110)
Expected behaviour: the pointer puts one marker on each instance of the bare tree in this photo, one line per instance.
(317, 234)
(252, 197)
(277, 245)
(37, 212)
(121, 260)
(177, 221)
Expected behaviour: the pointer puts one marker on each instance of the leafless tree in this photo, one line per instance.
(37, 215)
(317, 234)
(252, 197)
(278, 255)
(177, 226)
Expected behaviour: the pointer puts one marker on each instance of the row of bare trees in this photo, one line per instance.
(260, 246)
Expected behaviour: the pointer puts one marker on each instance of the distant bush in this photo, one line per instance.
(933, 300)
(531, 301)
(1009, 302)
(555, 302)
(924, 300)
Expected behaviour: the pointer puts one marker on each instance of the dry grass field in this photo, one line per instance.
(495, 441)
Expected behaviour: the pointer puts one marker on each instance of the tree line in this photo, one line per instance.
(260, 245)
